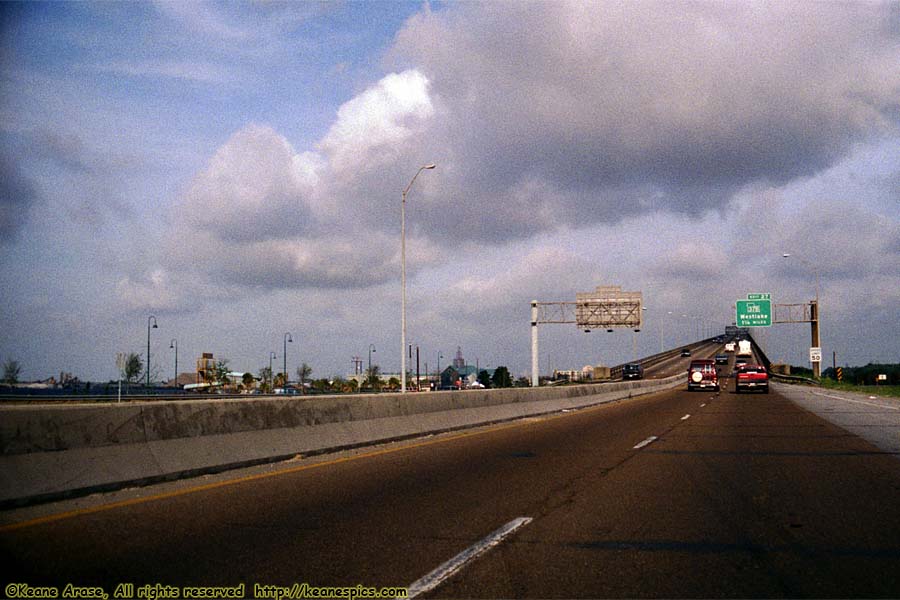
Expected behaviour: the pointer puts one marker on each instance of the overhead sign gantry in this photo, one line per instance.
(607, 307)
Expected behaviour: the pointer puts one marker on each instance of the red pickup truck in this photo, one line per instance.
(751, 377)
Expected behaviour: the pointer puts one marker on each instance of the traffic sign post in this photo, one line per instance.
(753, 312)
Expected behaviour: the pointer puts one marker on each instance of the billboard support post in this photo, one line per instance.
(607, 307)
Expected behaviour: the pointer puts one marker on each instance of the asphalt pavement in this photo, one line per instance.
(677, 494)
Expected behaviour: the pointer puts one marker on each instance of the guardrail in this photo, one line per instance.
(56, 397)
(113, 398)
(794, 379)
(762, 355)
(655, 359)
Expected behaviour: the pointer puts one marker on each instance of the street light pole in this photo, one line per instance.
(371, 350)
(287, 338)
(403, 278)
(813, 314)
(440, 356)
(150, 318)
(271, 375)
(662, 336)
(409, 357)
(174, 344)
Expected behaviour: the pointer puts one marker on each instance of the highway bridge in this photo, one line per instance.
(667, 494)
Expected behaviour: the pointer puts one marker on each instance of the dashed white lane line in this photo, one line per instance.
(452, 566)
(702, 405)
(685, 417)
(646, 442)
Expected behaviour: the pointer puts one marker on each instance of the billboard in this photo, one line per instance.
(608, 307)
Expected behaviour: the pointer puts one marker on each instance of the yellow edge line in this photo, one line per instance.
(211, 486)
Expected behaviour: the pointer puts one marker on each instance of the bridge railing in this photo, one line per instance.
(655, 359)
(762, 355)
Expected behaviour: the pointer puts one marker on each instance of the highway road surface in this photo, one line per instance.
(677, 494)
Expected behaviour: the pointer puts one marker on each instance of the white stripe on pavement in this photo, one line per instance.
(449, 568)
(646, 442)
(685, 417)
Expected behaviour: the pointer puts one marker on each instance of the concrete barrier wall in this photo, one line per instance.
(52, 451)
(30, 428)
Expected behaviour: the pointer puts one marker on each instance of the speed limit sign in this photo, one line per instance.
(815, 355)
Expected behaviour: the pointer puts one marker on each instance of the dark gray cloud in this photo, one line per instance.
(684, 102)
(76, 178)
(543, 116)
(17, 197)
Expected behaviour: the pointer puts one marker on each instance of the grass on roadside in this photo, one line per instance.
(892, 391)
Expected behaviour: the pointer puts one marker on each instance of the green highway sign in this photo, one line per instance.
(759, 296)
(753, 313)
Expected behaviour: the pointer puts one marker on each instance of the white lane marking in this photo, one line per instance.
(702, 405)
(646, 442)
(685, 417)
(449, 568)
(855, 401)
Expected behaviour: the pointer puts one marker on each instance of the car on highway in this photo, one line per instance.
(721, 359)
(740, 361)
(702, 375)
(749, 377)
(729, 347)
(686, 352)
(633, 371)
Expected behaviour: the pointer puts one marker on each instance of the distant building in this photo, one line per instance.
(182, 380)
(461, 375)
(459, 362)
(206, 368)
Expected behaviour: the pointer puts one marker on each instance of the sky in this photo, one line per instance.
(235, 171)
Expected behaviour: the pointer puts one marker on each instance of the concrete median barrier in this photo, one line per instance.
(50, 452)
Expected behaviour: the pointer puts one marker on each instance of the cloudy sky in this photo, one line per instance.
(235, 170)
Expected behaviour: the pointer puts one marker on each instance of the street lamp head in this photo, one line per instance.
(786, 255)
(429, 166)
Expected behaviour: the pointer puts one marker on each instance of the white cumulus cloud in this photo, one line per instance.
(372, 125)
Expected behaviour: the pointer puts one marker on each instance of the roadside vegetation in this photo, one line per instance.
(892, 391)
(874, 379)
